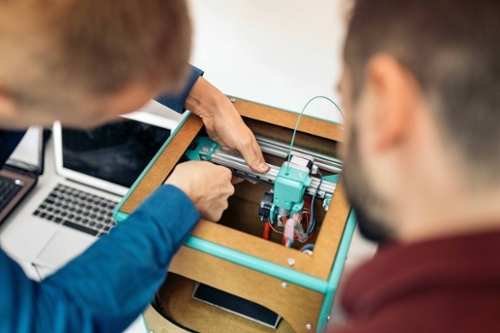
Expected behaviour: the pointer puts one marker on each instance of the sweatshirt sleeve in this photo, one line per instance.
(177, 101)
(110, 284)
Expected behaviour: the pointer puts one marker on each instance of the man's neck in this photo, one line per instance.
(448, 212)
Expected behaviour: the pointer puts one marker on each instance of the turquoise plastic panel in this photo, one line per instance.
(338, 267)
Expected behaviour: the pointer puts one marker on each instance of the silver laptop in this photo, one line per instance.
(95, 168)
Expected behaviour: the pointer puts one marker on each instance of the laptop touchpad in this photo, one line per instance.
(61, 248)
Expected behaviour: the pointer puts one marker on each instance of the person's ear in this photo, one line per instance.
(395, 94)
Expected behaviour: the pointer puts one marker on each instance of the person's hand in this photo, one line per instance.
(206, 184)
(224, 124)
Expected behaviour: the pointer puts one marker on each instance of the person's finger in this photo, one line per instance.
(254, 158)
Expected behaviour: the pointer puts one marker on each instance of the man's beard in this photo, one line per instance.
(362, 198)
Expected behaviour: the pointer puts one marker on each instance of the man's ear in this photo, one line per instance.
(396, 97)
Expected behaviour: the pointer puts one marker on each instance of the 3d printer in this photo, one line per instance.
(294, 187)
(299, 203)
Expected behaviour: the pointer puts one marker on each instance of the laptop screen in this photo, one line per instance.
(117, 152)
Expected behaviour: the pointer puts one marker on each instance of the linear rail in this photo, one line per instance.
(238, 165)
(281, 149)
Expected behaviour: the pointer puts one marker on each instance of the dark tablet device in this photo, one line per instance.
(236, 305)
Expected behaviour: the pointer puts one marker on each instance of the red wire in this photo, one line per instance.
(269, 225)
(276, 231)
(308, 204)
(267, 230)
(266, 234)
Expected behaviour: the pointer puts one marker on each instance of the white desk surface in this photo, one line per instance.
(280, 53)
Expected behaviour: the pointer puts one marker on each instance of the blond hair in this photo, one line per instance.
(57, 51)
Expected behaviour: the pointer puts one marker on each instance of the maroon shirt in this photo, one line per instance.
(442, 285)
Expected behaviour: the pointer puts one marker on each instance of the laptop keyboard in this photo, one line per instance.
(8, 189)
(78, 210)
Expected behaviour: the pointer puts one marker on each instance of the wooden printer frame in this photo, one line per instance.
(298, 286)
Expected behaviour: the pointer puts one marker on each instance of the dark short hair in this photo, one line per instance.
(452, 48)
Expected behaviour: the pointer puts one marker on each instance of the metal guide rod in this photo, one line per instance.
(238, 164)
(281, 149)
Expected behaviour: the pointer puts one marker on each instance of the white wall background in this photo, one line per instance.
(275, 52)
